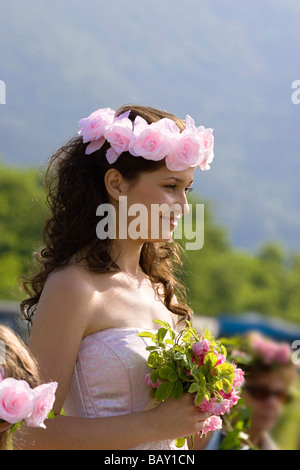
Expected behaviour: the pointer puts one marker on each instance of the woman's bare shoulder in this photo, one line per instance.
(73, 293)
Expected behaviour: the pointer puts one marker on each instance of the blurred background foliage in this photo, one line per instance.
(22, 215)
(223, 278)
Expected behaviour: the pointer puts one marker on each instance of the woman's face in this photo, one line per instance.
(265, 394)
(158, 200)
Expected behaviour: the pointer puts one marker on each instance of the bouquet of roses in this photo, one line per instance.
(193, 363)
(19, 403)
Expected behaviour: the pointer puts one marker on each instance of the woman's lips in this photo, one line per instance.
(171, 220)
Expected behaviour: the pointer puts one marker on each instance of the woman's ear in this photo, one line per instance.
(116, 185)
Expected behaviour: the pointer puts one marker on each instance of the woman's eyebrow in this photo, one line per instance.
(179, 180)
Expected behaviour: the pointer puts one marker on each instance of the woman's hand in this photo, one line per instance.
(4, 426)
(178, 418)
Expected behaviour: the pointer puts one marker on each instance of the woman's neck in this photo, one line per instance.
(126, 254)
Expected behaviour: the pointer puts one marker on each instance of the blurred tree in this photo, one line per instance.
(22, 215)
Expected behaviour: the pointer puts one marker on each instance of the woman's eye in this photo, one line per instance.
(188, 190)
(173, 186)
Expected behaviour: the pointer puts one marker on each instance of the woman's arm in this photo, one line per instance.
(170, 420)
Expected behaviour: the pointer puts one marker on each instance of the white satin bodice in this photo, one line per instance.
(109, 378)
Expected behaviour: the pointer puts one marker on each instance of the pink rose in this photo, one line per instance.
(283, 353)
(220, 358)
(193, 147)
(153, 141)
(187, 152)
(201, 347)
(212, 424)
(208, 141)
(149, 382)
(120, 136)
(43, 400)
(270, 350)
(238, 377)
(92, 128)
(215, 407)
(16, 400)
(233, 396)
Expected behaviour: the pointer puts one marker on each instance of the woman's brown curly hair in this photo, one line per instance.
(75, 184)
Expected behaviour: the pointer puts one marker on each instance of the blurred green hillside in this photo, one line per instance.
(219, 277)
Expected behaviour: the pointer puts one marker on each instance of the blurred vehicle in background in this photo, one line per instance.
(227, 324)
(10, 316)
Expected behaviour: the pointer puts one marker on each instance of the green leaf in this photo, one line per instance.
(154, 376)
(178, 390)
(154, 359)
(15, 427)
(207, 334)
(227, 386)
(211, 359)
(166, 372)
(162, 323)
(225, 371)
(219, 385)
(194, 372)
(172, 334)
(223, 350)
(147, 334)
(200, 396)
(51, 415)
(169, 341)
(187, 336)
(194, 387)
(180, 442)
(161, 334)
(164, 391)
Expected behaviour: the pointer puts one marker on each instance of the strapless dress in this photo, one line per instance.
(109, 378)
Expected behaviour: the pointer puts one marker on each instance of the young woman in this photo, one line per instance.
(93, 294)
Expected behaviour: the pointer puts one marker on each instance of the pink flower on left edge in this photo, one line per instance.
(93, 127)
(43, 401)
(16, 400)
